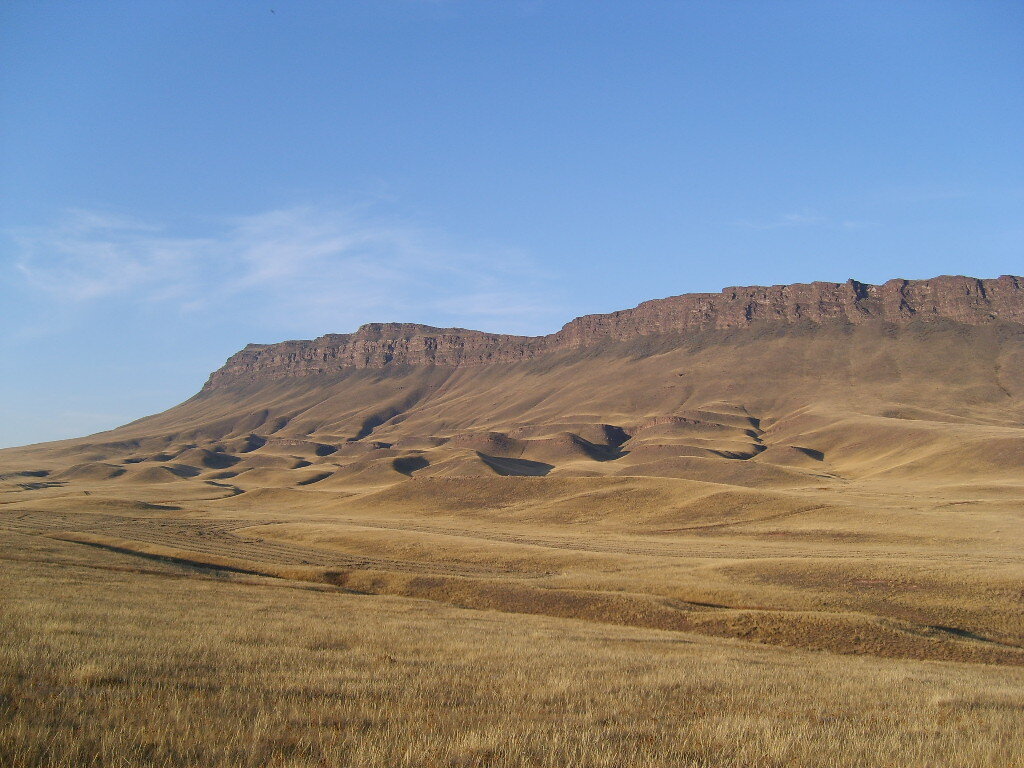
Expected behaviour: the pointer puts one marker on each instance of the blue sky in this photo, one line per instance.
(178, 179)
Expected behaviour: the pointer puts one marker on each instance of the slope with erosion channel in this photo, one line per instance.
(798, 473)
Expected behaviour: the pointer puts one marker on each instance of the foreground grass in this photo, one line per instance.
(106, 661)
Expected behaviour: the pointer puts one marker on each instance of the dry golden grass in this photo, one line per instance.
(794, 546)
(881, 571)
(108, 662)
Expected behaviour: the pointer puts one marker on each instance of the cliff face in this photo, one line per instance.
(965, 300)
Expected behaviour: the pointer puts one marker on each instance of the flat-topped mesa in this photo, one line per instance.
(374, 345)
(962, 299)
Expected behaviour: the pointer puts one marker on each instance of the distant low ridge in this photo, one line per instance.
(967, 300)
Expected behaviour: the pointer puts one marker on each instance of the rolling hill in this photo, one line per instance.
(804, 465)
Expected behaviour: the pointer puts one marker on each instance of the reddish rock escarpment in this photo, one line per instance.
(965, 300)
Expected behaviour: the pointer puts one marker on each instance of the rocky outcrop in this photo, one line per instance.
(375, 345)
(962, 299)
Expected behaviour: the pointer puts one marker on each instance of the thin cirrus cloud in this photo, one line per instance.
(800, 219)
(804, 219)
(304, 268)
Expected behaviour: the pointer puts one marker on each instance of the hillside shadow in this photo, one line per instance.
(515, 467)
(409, 464)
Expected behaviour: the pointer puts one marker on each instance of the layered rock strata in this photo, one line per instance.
(966, 300)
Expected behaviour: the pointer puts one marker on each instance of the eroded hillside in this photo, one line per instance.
(799, 465)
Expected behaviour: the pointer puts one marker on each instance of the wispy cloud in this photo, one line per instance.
(798, 219)
(297, 268)
(90, 255)
(805, 219)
